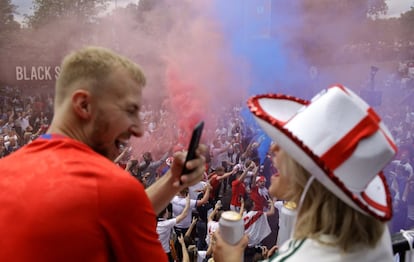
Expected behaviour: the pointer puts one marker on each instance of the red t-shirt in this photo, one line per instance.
(238, 189)
(61, 201)
(215, 186)
(260, 202)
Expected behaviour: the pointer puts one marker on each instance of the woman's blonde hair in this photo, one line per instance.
(93, 65)
(322, 213)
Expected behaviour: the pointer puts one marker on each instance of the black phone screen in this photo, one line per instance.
(195, 140)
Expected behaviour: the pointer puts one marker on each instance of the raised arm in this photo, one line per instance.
(214, 212)
(191, 228)
(245, 171)
(254, 171)
(186, 257)
(163, 190)
(225, 175)
(184, 213)
(241, 206)
(161, 160)
(206, 196)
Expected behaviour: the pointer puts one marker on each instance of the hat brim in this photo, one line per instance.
(272, 111)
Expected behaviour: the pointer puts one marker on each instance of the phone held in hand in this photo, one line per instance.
(195, 140)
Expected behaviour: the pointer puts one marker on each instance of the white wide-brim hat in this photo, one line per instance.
(338, 138)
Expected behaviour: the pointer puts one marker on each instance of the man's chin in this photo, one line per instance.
(110, 155)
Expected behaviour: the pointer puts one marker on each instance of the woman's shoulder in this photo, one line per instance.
(320, 249)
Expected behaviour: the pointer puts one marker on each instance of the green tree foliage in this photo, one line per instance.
(407, 25)
(7, 12)
(8, 26)
(47, 11)
(357, 10)
(334, 23)
(377, 8)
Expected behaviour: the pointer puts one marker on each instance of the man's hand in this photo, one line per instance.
(197, 167)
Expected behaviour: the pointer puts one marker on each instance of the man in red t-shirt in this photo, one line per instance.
(215, 183)
(260, 195)
(238, 188)
(62, 196)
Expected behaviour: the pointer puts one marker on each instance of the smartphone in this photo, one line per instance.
(195, 140)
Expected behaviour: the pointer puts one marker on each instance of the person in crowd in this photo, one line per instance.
(268, 169)
(11, 144)
(28, 135)
(217, 181)
(198, 189)
(234, 152)
(404, 162)
(12, 135)
(3, 150)
(66, 200)
(178, 203)
(22, 122)
(219, 152)
(189, 241)
(212, 221)
(260, 195)
(201, 227)
(252, 151)
(399, 182)
(238, 188)
(184, 251)
(251, 173)
(131, 167)
(166, 166)
(166, 224)
(256, 226)
(326, 164)
(149, 167)
(408, 197)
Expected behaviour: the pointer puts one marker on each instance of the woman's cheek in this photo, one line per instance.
(274, 187)
(279, 187)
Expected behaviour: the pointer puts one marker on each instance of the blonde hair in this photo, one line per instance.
(322, 213)
(93, 65)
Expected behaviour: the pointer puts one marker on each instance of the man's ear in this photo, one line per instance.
(81, 100)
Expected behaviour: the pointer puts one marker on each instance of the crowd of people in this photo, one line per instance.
(378, 51)
(22, 118)
(236, 176)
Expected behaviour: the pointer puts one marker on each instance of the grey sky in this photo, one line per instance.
(23, 6)
(396, 7)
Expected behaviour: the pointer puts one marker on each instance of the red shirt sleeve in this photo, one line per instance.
(129, 220)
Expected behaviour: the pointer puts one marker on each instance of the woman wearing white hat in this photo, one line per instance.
(330, 153)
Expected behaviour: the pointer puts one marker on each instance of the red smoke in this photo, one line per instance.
(186, 102)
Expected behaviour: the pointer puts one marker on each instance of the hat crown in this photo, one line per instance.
(339, 116)
(336, 137)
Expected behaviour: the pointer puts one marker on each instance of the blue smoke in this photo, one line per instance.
(250, 26)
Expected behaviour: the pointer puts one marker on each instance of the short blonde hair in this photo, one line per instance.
(93, 65)
(323, 213)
